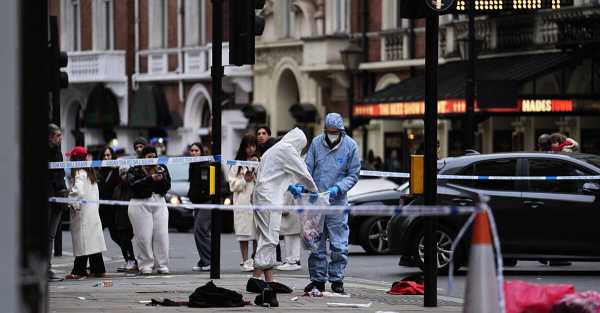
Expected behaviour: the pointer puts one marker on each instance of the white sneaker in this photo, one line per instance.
(196, 268)
(289, 267)
(163, 270)
(247, 266)
(131, 266)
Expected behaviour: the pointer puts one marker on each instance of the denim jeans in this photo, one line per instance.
(336, 230)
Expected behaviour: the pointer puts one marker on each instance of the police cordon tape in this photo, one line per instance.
(209, 158)
(411, 210)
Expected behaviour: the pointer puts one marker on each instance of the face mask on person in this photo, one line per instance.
(332, 139)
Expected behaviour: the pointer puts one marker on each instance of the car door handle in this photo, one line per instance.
(462, 201)
(534, 204)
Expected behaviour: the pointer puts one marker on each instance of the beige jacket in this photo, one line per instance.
(243, 220)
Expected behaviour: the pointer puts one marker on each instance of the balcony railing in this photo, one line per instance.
(96, 66)
(394, 45)
(164, 64)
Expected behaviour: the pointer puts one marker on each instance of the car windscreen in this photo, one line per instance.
(178, 172)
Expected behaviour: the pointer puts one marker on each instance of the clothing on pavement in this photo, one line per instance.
(280, 167)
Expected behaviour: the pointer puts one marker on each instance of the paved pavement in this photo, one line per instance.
(367, 279)
(127, 294)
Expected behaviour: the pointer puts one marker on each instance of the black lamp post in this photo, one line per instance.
(351, 58)
(468, 50)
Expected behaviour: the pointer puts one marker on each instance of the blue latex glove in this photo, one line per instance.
(313, 197)
(295, 190)
(333, 191)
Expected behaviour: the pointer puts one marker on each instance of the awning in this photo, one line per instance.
(102, 110)
(451, 76)
(150, 108)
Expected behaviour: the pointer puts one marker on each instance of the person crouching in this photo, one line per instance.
(149, 215)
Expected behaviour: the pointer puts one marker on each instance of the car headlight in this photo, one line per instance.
(227, 201)
(175, 200)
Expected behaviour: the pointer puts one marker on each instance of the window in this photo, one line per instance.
(287, 15)
(103, 17)
(338, 13)
(76, 22)
(158, 20)
(504, 167)
(545, 167)
(194, 17)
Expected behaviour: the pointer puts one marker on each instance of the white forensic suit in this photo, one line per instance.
(279, 167)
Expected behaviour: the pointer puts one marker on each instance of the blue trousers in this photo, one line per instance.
(336, 230)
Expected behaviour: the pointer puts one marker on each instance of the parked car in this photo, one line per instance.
(370, 231)
(536, 219)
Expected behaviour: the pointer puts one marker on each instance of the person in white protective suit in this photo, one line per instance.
(280, 168)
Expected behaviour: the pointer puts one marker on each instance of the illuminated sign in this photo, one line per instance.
(458, 106)
(497, 5)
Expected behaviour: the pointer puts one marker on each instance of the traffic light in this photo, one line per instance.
(244, 25)
(57, 60)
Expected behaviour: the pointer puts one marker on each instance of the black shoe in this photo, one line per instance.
(315, 284)
(337, 287)
(268, 298)
(54, 277)
(256, 285)
(279, 287)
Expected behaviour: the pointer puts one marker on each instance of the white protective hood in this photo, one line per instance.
(280, 167)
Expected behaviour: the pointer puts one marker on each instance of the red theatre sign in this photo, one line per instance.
(458, 106)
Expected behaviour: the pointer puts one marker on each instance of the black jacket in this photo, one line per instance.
(199, 182)
(262, 148)
(108, 179)
(142, 186)
(56, 177)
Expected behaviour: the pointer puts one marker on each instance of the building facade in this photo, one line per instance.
(299, 62)
(142, 68)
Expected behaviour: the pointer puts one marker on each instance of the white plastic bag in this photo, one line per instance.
(312, 220)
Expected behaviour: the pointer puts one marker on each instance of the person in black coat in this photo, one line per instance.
(115, 217)
(264, 141)
(56, 188)
(199, 193)
(150, 220)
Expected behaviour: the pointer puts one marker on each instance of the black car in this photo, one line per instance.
(536, 219)
(370, 231)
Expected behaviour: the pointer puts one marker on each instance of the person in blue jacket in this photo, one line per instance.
(333, 160)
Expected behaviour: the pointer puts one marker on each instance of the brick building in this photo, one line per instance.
(142, 68)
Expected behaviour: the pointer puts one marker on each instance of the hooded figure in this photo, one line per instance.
(279, 167)
(334, 163)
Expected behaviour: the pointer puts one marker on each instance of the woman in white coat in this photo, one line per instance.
(241, 183)
(86, 228)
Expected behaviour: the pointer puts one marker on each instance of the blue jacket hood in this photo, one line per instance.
(334, 120)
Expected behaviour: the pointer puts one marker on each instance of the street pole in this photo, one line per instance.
(350, 93)
(217, 76)
(470, 81)
(430, 179)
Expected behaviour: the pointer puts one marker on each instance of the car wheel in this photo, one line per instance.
(444, 238)
(373, 235)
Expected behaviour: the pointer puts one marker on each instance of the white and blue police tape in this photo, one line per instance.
(475, 177)
(132, 162)
(410, 210)
(242, 163)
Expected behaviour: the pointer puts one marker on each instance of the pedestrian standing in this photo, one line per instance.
(544, 143)
(138, 145)
(333, 161)
(241, 182)
(199, 193)
(112, 216)
(122, 224)
(56, 188)
(86, 228)
(280, 169)
(149, 214)
(264, 141)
